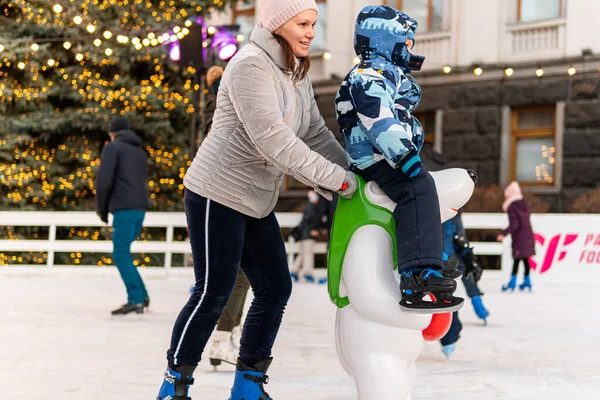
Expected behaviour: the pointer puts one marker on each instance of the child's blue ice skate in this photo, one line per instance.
(480, 309)
(176, 384)
(448, 349)
(248, 383)
(526, 284)
(511, 285)
(294, 277)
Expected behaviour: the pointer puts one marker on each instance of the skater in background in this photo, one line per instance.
(523, 240)
(305, 235)
(457, 245)
(224, 343)
(122, 189)
(232, 186)
(213, 81)
(375, 106)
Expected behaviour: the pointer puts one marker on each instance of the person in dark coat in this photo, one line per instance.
(122, 189)
(305, 234)
(523, 240)
(456, 245)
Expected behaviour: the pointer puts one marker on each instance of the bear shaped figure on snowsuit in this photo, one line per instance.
(377, 343)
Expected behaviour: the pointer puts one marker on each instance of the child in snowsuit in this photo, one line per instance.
(374, 110)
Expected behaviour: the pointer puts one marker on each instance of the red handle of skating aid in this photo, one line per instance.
(344, 186)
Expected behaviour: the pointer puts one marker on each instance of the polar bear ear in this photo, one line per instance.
(454, 187)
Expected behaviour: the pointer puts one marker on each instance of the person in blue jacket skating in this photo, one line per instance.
(456, 244)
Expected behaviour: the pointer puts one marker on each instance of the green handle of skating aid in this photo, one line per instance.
(349, 216)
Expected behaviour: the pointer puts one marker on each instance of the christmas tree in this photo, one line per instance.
(67, 68)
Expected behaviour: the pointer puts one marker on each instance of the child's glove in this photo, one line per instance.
(349, 186)
(473, 270)
(410, 164)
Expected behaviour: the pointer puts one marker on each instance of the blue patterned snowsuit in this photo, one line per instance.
(374, 110)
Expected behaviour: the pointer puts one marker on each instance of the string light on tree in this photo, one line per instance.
(57, 8)
(91, 85)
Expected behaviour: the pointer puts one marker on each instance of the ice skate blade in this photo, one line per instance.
(217, 361)
(444, 310)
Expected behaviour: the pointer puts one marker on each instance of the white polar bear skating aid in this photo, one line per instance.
(377, 343)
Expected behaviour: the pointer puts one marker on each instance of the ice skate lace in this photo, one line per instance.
(427, 272)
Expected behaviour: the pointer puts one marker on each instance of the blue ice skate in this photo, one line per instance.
(511, 285)
(176, 385)
(448, 349)
(480, 309)
(248, 383)
(526, 284)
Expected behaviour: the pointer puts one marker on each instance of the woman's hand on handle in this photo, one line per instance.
(349, 186)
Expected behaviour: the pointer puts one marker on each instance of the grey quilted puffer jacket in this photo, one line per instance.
(264, 126)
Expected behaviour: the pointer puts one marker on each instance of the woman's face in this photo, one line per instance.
(299, 32)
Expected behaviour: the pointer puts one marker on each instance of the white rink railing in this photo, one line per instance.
(170, 221)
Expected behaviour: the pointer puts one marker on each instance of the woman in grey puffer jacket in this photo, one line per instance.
(266, 124)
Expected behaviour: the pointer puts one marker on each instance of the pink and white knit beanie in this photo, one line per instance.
(274, 13)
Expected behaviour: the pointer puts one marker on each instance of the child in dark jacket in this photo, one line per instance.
(457, 245)
(374, 110)
(523, 240)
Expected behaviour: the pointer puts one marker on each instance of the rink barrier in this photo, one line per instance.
(170, 221)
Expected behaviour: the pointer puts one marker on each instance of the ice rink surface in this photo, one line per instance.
(58, 341)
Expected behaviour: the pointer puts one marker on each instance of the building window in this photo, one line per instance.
(319, 43)
(244, 16)
(428, 13)
(533, 146)
(534, 10)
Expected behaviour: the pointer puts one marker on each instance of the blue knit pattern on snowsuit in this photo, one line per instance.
(376, 100)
